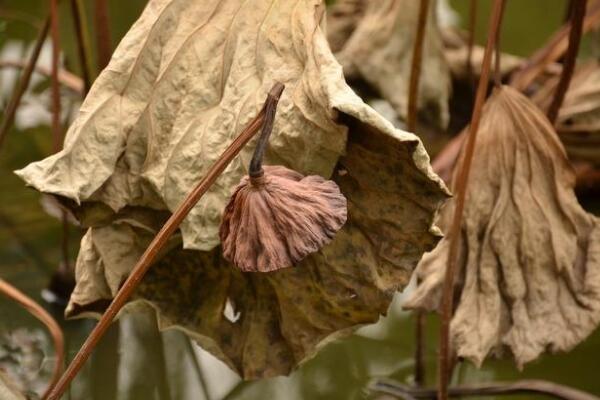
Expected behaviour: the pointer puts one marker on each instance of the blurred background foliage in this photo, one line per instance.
(135, 361)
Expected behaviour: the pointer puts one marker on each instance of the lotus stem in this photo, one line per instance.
(447, 303)
(55, 84)
(42, 315)
(158, 243)
(83, 48)
(577, 17)
(103, 42)
(255, 168)
(554, 49)
(415, 70)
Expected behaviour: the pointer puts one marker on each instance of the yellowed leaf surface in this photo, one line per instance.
(182, 84)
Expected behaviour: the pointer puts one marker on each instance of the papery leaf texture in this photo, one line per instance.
(529, 258)
(184, 81)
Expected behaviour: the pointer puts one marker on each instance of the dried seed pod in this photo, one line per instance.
(529, 277)
(276, 216)
(275, 220)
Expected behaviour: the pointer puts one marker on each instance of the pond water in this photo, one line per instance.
(135, 362)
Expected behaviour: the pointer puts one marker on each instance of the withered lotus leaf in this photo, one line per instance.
(379, 50)
(529, 257)
(184, 81)
(276, 220)
(578, 122)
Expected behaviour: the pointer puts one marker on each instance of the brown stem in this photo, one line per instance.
(21, 87)
(82, 50)
(415, 69)
(577, 17)
(37, 311)
(159, 241)
(102, 33)
(553, 50)
(55, 84)
(528, 386)
(447, 303)
(255, 168)
(420, 348)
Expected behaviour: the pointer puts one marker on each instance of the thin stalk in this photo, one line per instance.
(577, 17)
(103, 42)
(568, 11)
(37, 311)
(83, 48)
(528, 386)
(447, 303)
(159, 241)
(554, 49)
(415, 69)
(21, 87)
(54, 82)
(255, 169)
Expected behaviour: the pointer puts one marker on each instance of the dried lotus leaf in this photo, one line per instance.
(529, 260)
(379, 50)
(264, 325)
(182, 84)
(177, 91)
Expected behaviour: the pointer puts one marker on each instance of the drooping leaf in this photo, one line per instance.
(530, 255)
(182, 84)
(379, 50)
